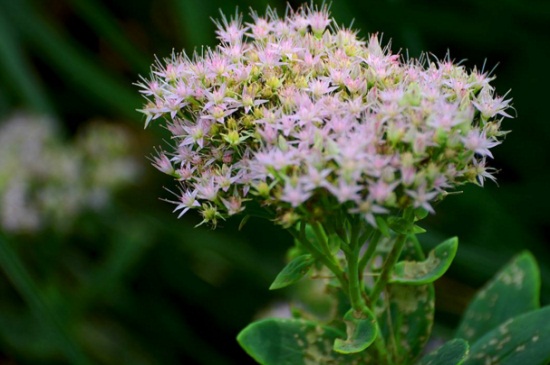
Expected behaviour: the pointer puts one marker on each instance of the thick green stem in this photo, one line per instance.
(393, 257)
(360, 302)
(390, 262)
(380, 345)
(321, 238)
(355, 283)
(357, 286)
(371, 249)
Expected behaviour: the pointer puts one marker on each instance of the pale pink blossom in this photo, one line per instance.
(163, 164)
(187, 200)
(302, 110)
(478, 142)
(295, 194)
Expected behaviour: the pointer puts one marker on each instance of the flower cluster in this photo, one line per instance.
(45, 182)
(298, 112)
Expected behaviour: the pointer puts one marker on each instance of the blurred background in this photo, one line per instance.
(95, 269)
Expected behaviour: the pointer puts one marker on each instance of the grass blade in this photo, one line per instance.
(24, 284)
(74, 63)
(18, 71)
(106, 26)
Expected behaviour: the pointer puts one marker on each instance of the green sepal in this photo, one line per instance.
(513, 291)
(524, 339)
(382, 226)
(400, 225)
(417, 229)
(293, 271)
(453, 352)
(244, 221)
(427, 271)
(361, 332)
(420, 213)
(278, 341)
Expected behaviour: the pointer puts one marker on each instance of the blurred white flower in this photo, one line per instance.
(47, 182)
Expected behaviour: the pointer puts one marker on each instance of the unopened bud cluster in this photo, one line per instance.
(299, 114)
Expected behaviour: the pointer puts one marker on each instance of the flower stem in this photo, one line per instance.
(328, 261)
(393, 257)
(355, 290)
(360, 302)
(321, 238)
(390, 262)
(371, 249)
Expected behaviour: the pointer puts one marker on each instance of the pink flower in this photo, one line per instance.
(207, 189)
(304, 111)
(294, 194)
(422, 197)
(230, 30)
(319, 20)
(345, 192)
(233, 205)
(380, 191)
(490, 106)
(483, 172)
(478, 142)
(163, 164)
(187, 201)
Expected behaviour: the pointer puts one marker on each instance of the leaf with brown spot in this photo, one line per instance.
(278, 341)
(513, 291)
(429, 270)
(406, 323)
(524, 339)
(361, 333)
(453, 352)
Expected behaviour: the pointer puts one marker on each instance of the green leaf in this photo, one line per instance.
(310, 234)
(334, 242)
(513, 291)
(450, 353)
(407, 321)
(277, 341)
(412, 315)
(420, 213)
(244, 221)
(400, 225)
(382, 226)
(417, 229)
(293, 271)
(427, 271)
(524, 339)
(361, 331)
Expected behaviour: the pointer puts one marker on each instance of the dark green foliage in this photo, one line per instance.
(524, 339)
(513, 291)
(503, 323)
